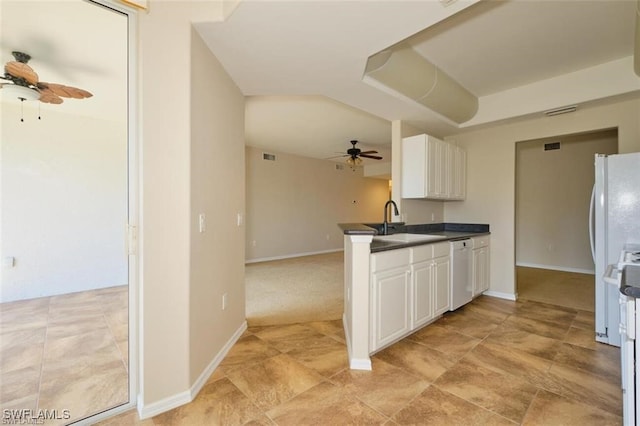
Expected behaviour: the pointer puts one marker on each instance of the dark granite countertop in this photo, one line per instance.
(630, 283)
(448, 232)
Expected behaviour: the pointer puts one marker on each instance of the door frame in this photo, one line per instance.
(133, 205)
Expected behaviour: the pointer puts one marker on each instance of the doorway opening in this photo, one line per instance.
(554, 178)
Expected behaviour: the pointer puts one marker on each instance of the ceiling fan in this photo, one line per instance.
(355, 155)
(24, 80)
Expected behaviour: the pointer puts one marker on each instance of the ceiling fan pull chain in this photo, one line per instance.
(22, 109)
(39, 105)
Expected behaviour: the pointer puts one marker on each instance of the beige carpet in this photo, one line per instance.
(568, 289)
(302, 289)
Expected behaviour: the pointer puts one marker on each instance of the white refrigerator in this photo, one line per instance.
(614, 221)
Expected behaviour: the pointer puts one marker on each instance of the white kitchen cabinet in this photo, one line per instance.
(390, 297)
(422, 275)
(409, 288)
(442, 283)
(432, 168)
(457, 158)
(480, 264)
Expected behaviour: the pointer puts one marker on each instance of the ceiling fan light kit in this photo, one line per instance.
(22, 93)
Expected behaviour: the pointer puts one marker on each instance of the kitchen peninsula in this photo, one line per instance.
(395, 284)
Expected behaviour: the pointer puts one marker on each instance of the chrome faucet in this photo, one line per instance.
(385, 223)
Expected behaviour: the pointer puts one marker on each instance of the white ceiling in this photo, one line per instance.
(292, 49)
(71, 42)
(301, 63)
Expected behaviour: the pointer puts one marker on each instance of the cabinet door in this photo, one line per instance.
(457, 173)
(390, 313)
(437, 169)
(441, 285)
(422, 275)
(414, 166)
(480, 270)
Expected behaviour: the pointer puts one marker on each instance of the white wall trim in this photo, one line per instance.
(354, 363)
(166, 404)
(290, 256)
(501, 295)
(185, 397)
(215, 362)
(556, 268)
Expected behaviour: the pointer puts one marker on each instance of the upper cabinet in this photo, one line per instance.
(432, 168)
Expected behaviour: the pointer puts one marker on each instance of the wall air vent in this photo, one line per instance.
(562, 110)
(339, 166)
(551, 146)
(268, 157)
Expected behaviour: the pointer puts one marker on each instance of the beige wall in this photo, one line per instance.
(553, 191)
(295, 203)
(64, 203)
(491, 173)
(172, 271)
(217, 190)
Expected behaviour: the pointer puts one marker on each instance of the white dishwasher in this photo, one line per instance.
(461, 291)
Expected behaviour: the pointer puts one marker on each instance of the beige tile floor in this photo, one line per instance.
(67, 352)
(492, 362)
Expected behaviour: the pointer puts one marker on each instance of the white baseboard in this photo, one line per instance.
(500, 295)
(354, 363)
(166, 404)
(215, 362)
(291, 256)
(556, 268)
(185, 397)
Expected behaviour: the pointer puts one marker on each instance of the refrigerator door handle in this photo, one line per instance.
(592, 208)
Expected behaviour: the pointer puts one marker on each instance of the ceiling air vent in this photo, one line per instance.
(268, 157)
(551, 146)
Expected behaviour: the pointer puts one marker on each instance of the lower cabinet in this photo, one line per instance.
(442, 284)
(391, 291)
(480, 264)
(409, 288)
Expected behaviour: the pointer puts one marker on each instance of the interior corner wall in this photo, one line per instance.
(491, 173)
(553, 192)
(64, 203)
(294, 204)
(217, 191)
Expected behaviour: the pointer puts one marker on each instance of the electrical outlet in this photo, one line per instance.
(224, 301)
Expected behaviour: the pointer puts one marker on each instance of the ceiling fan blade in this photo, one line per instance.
(21, 71)
(48, 97)
(368, 152)
(65, 91)
(337, 156)
(375, 157)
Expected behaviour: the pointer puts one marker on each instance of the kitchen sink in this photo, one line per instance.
(408, 238)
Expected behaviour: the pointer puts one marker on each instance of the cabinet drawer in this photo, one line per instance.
(421, 253)
(390, 259)
(440, 249)
(480, 241)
